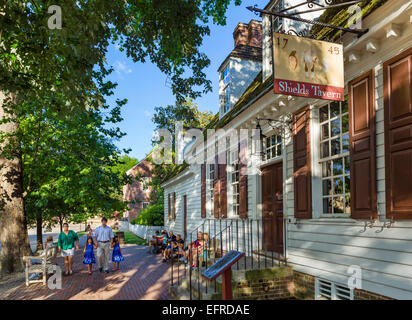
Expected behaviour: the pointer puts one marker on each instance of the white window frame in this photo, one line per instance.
(273, 146)
(210, 189)
(334, 290)
(234, 196)
(317, 177)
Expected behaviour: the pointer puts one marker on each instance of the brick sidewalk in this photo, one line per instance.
(142, 276)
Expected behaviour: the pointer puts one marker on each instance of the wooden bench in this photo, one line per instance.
(47, 259)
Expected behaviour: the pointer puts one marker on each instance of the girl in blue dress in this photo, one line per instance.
(88, 252)
(117, 253)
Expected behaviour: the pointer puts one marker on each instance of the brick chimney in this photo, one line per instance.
(248, 34)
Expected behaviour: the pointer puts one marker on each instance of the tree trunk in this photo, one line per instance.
(13, 228)
(61, 224)
(39, 224)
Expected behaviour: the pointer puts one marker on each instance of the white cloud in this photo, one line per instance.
(121, 68)
(147, 113)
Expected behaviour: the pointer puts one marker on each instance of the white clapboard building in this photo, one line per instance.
(329, 189)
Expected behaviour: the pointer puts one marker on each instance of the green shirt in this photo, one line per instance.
(66, 241)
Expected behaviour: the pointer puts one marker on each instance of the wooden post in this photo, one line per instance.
(227, 285)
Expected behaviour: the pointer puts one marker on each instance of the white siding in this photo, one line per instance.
(328, 247)
(189, 186)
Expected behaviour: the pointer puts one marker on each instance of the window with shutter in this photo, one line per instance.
(216, 189)
(243, 180)
(168, 207)
(174, 206)
(362, 140)
(397, 74)
(334, 159)
(211, 189)
(223, 187)
(203, 190)
(301, 164)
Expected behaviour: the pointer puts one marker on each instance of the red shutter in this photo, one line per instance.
(174, 206)
(398, 135)
(243, 181)
(216, 186)
(203, 190)
(168, 207)
(223, 188)
(362, 135)
(301, 164)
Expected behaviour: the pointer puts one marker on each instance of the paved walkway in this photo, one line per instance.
(142, 276)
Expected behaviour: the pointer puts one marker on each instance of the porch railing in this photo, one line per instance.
(260, 239)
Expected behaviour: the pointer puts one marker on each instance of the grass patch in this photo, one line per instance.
(131, 238)
(81, 233)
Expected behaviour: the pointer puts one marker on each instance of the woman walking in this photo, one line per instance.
(66, 243)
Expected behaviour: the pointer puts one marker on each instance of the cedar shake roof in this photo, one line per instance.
(340, 17)
(244, 52)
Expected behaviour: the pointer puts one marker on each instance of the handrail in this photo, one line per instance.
(215, 235)
(247, 235)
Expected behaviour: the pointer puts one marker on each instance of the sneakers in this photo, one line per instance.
(164, 260)
(183, 259)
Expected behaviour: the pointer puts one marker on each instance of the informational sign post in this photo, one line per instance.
(223, 267)
(308, 68)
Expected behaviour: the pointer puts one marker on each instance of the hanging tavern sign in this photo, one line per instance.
(308, 68)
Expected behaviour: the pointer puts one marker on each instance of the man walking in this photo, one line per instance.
(103, 236)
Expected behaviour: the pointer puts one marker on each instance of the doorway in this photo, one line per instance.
(272, 208)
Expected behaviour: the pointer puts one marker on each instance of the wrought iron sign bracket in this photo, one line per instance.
(310, 3)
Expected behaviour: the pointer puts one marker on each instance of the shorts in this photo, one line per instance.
(68, 252)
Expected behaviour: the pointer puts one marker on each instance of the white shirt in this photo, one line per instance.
(103, 233)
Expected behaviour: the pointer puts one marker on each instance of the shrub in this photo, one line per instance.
(151, 216)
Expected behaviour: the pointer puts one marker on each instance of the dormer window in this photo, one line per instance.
(226, 88)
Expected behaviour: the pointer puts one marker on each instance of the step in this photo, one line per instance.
(178, 293)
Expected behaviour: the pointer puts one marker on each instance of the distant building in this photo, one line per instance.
(138, 190)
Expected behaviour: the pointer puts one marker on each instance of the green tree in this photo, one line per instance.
(69, 64)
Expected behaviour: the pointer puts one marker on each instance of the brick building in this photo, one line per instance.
(138, 190)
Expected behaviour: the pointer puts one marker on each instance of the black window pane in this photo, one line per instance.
(335, 127)
(326, 171)
(345, 106)
(335, 146)
(347, 184)
(327, 205)
(347, 165)
(345, 143)
(347, 204)
(323, 113)
(334, 109)
(337, 167)
(324, 149)
(345, 123)
(325, 131)
(279, 150)
(326, 187)
(338, 205)
(338, 186)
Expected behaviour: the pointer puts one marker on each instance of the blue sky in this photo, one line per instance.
(145, 86)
